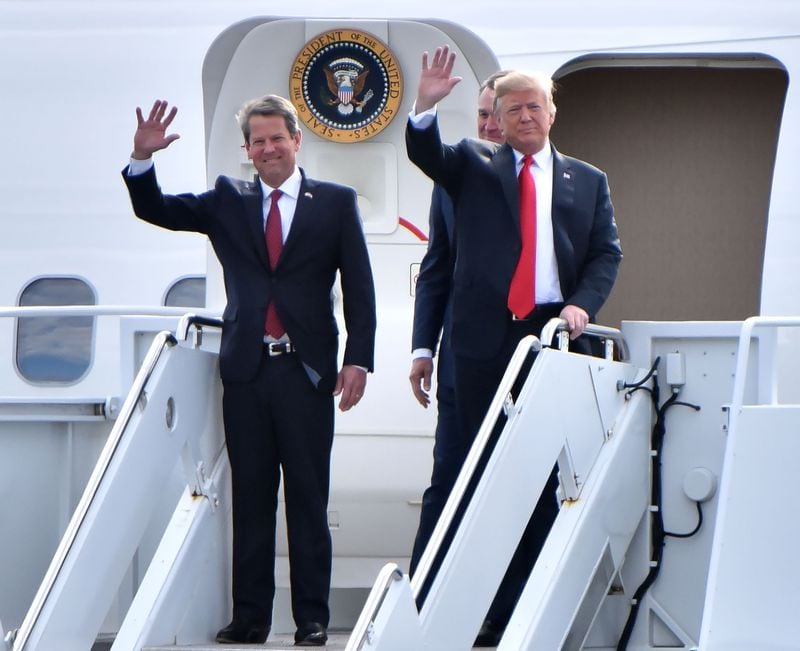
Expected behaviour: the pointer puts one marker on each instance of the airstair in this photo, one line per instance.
(596, 583)
(572, 410)
(160, 424)
(720, 482)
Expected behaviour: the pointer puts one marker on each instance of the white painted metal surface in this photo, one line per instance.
(752, 570)
(158, 419)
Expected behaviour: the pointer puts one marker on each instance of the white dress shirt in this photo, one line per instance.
(287, 201)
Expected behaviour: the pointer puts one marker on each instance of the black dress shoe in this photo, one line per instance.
(311, 634)
(238, 633)
(489, 635)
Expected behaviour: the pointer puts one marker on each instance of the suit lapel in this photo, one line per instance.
(563, 201)
(254, 215)
(506, 167)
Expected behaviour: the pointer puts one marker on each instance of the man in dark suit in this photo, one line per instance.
(506, 283)
(431, 326)
(281, 240)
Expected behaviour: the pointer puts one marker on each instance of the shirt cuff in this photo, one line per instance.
(137, 166)
(421, 120)
(421, 352)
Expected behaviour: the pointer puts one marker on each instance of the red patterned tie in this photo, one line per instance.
(274, 236)
(522, 292)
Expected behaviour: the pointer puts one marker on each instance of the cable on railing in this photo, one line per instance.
(658, 533)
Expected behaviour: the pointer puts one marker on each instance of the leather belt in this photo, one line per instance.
(540, 312)
(276, 348)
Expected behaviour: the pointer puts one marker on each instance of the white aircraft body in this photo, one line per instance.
(113, 477)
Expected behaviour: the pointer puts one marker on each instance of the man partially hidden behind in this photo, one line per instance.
(281, 239)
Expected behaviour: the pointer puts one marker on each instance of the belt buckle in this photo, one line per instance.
(276, 348)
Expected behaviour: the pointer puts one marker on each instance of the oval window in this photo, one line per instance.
(187, 292)
(55, 349)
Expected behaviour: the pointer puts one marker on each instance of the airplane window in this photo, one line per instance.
(187, 292)
(55, 349)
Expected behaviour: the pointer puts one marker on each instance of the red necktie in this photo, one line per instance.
(521, 294)
(274, 237)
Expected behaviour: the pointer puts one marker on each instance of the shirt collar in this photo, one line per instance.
(543, 158)
(290, 187)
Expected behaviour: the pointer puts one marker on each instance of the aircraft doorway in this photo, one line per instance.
(689, 144)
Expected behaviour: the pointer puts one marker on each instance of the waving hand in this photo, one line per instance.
(150, 134)
(436, 82)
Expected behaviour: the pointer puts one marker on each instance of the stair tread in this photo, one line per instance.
(336, 642)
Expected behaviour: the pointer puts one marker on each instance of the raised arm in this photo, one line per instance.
(150, 134)
(436, 80)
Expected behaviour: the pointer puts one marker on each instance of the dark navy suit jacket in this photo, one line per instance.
(326, 236)
(432, 305)
(482, 181)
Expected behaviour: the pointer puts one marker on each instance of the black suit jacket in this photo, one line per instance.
(432, 305)
(481, 179)
(325, 237)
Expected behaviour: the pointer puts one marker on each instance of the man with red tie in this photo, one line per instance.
(535, 239)
(281, 240)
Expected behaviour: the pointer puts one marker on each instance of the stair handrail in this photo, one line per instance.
(743, 352)
(558, 328)
(499, 403)
(554, 327)
(198, 321)
(31, 311)
(735, 408)
(388, 574)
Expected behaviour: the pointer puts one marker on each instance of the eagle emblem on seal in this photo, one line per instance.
(345, 80)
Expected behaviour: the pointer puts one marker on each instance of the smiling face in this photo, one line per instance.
(525, 117)
(272, 148)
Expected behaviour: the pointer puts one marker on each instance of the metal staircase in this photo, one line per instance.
(573, 410)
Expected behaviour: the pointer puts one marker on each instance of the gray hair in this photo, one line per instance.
(268, 105)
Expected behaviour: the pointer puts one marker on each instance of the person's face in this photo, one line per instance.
(488, 129)
(525, 119)
(272, 149)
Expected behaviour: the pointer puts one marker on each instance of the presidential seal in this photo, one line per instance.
(346, 85)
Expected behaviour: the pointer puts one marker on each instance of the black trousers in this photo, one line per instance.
(449, 451)
(279, 423)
